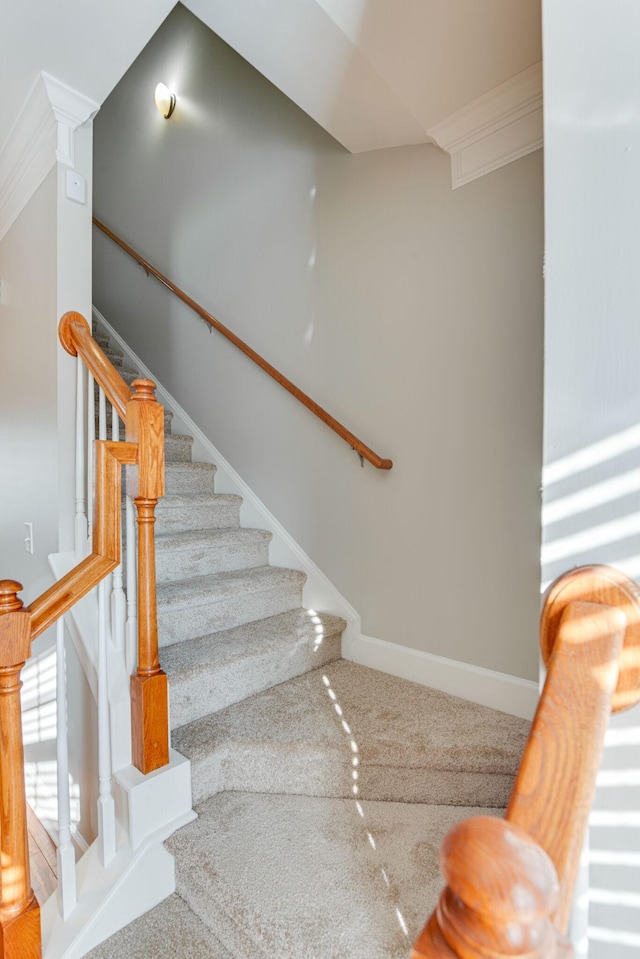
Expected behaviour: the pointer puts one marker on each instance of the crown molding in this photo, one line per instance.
(495, 129)
(42, 136)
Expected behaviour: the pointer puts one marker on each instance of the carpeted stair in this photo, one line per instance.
(323, 789)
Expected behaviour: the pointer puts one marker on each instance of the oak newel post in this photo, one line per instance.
(501, 893)
(145, 485)
(19, 910)
(510, 884)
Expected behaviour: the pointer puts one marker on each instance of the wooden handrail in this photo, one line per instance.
(105, 555)
(590, 640)
(75, 336)
(361, 448)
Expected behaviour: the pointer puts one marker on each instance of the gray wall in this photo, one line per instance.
(411, 312)
(592, 398)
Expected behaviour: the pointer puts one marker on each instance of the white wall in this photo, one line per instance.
(45, 269)
(592, 359)
(412, 313)
(28, 391)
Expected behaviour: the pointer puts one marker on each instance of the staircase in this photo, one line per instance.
(323, 789)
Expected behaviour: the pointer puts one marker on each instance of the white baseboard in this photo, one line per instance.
(509, 694)
(108, 898)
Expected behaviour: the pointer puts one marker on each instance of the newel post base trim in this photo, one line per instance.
(20, 935)
(150, 721)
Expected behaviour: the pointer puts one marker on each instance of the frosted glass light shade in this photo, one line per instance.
(165, 100)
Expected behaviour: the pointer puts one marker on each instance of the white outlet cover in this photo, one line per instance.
(75, 186)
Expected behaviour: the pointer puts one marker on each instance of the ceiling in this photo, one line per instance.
(373, 73)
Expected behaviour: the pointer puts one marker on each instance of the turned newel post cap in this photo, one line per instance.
(9, 600)
(497, 870)
(144, 390)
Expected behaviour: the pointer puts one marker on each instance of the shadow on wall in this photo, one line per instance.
(592, 514)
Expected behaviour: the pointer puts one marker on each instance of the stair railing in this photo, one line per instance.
(99, 464)
(363, 451)
(132, 619)
(510, 882)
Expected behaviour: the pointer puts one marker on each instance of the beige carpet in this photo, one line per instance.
(170, 931)
(414, 744)
(307, 878)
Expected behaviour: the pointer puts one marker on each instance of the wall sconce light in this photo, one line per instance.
(165, 100)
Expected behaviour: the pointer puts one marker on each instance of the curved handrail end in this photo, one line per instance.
(69, 319)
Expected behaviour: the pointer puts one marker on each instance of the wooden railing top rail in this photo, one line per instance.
(105, 555)
(75, 336)
(510, 882)
(361, 448)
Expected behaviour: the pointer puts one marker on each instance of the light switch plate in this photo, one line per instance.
(75, 186)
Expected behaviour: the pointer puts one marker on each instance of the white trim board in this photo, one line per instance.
(509, 694)
(506, 693)
(42, 136)
(502, 125)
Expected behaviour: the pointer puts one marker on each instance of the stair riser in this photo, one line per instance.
(177, 449)
(184, 563)
(266, 771)
(183, 481)
(208, 691)
(201, 516)
(178, 625)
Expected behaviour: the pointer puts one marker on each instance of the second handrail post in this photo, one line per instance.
(145, 485)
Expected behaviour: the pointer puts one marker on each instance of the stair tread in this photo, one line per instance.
(332, 875)
(190, 467)
(411, 741)
(211, 672)
(200, 589)
(438, 730)
(172, 500)
(242, 642)
(214, 538)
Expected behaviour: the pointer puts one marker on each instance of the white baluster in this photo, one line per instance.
(115, 425)
(66, 856)
(118, 600)
(106, 805)
(102, 435)
(81, 525)
(102, 414)
(131, 653)
(91, 435)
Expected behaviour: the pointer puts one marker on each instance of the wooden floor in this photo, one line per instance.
(42, 858)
